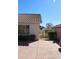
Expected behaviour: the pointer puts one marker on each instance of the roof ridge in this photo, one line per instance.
(28, 14)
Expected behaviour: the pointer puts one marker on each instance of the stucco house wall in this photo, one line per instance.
(34, 29)
(33, 20)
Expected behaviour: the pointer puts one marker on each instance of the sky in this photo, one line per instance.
(50, 10)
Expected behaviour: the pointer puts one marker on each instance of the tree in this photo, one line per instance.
(49, 25)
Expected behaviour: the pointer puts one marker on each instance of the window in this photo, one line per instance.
(23, 29)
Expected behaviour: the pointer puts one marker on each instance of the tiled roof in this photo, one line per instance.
(59, 25)
(29, 17)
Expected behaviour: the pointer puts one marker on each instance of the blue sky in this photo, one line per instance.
(50, 10)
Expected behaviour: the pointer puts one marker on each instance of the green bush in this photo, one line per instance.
(31, 37)
(26, 37)
(52, 35)
(52, 30)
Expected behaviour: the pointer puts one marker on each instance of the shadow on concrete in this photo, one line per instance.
(25, 43)
(59, 50)
(59, 43)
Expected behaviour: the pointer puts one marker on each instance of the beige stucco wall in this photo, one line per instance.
(34, 29)
(33, 21)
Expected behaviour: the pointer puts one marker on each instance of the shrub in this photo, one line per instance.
(52, 30)
(31, 37)
(26, 37)
(52, 35)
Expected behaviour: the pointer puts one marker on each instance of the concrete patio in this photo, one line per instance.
(39, 50)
